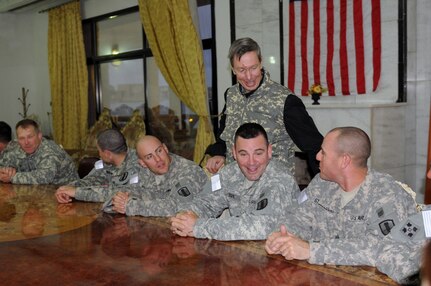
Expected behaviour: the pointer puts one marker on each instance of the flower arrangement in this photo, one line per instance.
(316, 88)
(316, 91)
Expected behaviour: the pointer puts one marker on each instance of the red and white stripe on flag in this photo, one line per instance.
(335, 43)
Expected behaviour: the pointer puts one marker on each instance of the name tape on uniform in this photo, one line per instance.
(134, 179)
(426, 215)
(98, 165)
(302, 197)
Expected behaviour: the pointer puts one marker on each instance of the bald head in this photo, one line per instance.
(153, 154)
(146, 142)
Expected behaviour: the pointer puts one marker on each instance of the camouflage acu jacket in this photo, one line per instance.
(162, 196)
(359, 232)
(254, 207)
(153, 195)
(107, 174)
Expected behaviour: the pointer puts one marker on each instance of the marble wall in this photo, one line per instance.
(259, 20)
(381, 122)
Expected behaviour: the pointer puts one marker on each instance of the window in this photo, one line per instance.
(123, 76)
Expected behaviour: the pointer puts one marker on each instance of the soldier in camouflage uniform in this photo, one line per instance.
(165, 181)
(346, 214)
(256, 98)
(256, 190)
(118, 163)
(35, 160)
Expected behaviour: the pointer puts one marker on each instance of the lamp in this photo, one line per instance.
(115, 50)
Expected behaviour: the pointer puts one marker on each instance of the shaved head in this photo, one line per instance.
(153, 154)
(355, 142)
(145, 143)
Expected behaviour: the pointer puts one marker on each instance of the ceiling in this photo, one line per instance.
(22, 6)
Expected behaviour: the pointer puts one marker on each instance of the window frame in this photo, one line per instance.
(94, 61)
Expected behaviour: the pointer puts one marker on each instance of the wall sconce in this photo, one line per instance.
(116, 63)
(115, 50)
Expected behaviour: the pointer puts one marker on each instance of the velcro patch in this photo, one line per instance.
(124, 177)
(409, 229)
(386, 226)
(262, 204)
(98, 165)
(184, 192)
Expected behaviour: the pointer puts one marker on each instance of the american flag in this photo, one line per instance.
(335, 43)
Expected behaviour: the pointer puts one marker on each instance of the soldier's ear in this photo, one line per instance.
(233, 152)
(269, 151)
(233, 71)
(345, 160)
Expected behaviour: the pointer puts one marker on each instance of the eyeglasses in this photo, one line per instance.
(253, 69)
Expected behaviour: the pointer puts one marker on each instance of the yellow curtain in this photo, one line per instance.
(68, 75)
(177, 50)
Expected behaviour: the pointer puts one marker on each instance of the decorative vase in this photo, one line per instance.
(316, 97)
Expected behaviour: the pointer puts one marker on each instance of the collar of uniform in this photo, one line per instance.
(125, 158)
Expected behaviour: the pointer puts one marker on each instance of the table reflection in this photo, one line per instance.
(77, 244)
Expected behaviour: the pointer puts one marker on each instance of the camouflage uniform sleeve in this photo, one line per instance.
(8, 159)
(207, 203)
(190, 183)
(46, 171)
(254, 225)
(299, 219)
(94, 194)
(399, 260)
(94, 178)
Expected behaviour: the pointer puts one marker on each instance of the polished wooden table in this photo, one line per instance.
(44, 243)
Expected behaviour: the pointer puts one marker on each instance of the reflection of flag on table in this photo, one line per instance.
(336, 43)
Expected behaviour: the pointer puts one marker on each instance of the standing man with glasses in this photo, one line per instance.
(256, 98)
